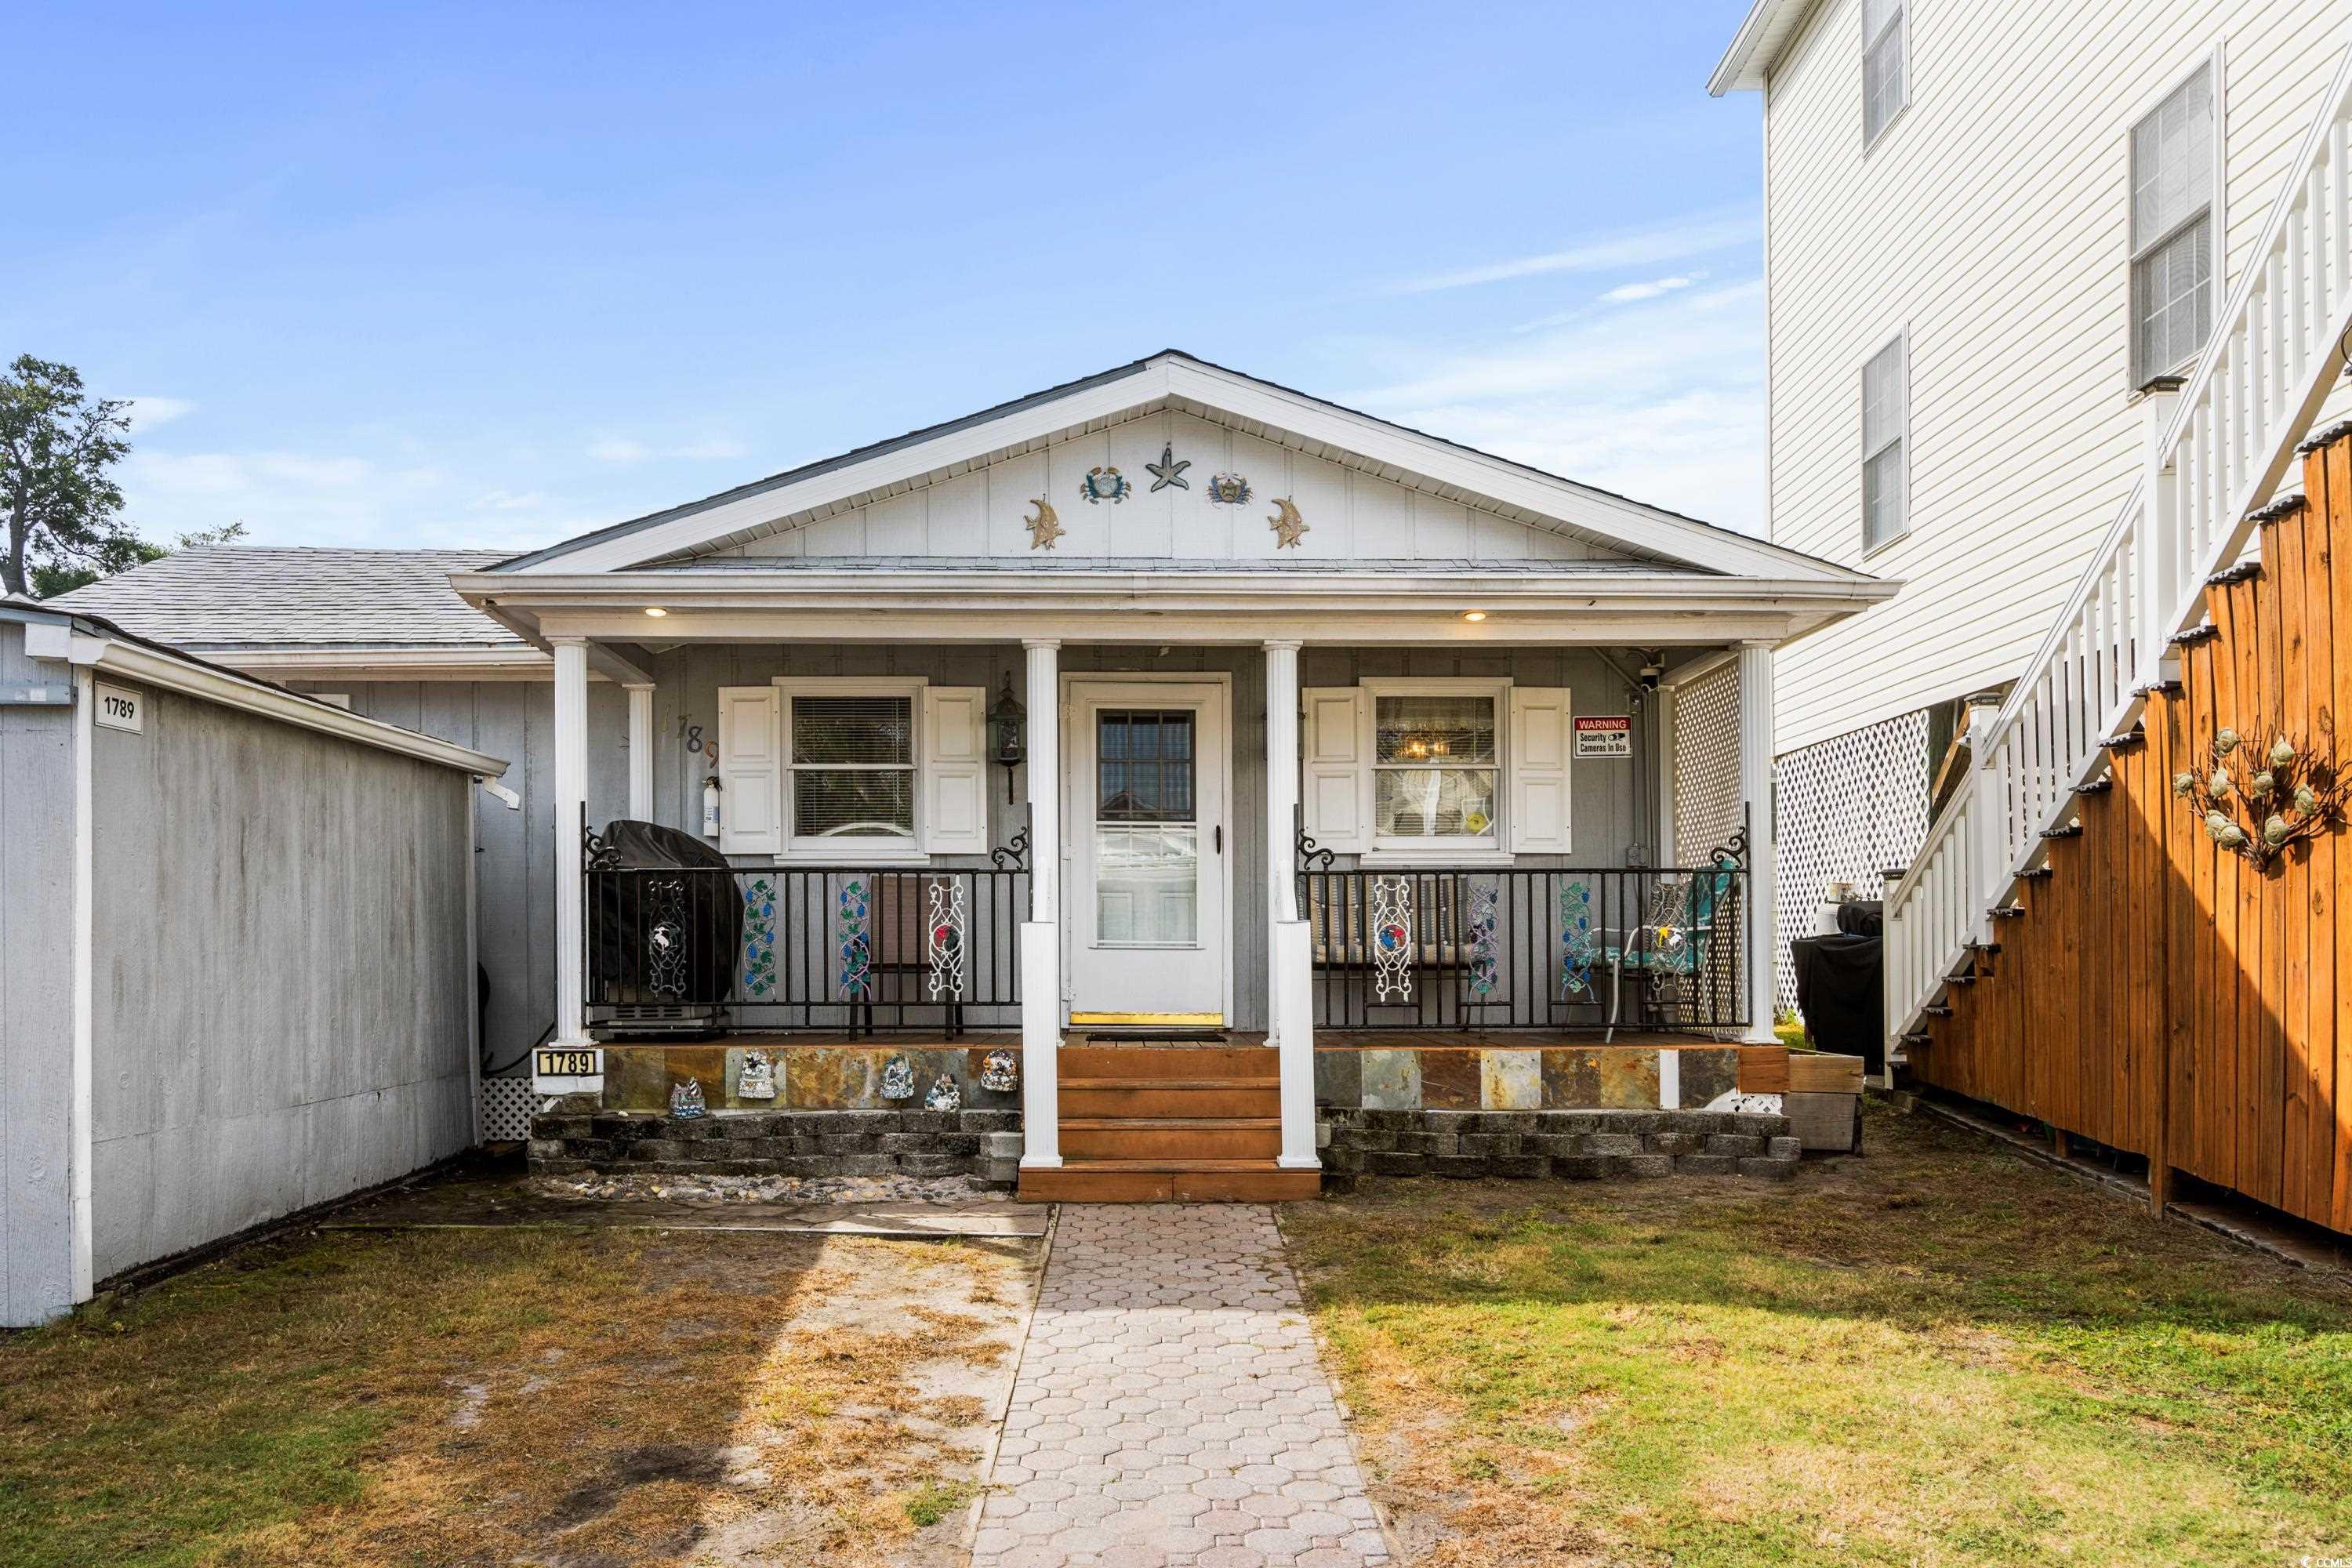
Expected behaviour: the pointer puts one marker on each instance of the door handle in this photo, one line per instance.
(1217, 838)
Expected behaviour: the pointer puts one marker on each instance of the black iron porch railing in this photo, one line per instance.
(1557, 948)
(843, 947)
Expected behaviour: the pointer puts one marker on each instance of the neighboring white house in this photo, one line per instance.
(1992, 231)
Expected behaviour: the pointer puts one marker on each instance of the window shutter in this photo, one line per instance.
(1336, 783)
(1538, 770)
(955, 770)
(750, 800)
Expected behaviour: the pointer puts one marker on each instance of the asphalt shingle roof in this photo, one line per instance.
(240, 595)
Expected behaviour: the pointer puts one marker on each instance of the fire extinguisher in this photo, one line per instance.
(711, 806)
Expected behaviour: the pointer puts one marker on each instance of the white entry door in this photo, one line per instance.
(1149, 889)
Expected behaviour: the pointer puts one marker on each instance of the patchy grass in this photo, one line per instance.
(1935, 1354)
(488, 1396)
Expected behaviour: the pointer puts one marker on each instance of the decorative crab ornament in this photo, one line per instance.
(1229, 490)
(1105, 484)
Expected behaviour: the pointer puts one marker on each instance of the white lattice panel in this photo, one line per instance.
(1849, 809)
(502, 1114)
(1707, 763)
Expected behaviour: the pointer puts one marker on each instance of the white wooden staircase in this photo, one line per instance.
(2219, 447)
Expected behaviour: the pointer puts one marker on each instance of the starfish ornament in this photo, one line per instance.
(1168, 470)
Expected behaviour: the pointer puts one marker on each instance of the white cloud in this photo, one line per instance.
(1628, 293)
(1696, 235)
(622, 449)
(1662, 400)
(309, 497)
(146, 413)
(508, 501)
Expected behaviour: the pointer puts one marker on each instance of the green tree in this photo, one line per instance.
(57, 445)
(52, 578)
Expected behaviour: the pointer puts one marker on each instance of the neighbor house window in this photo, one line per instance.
(1885, 77)
(2172, 185)
(853, 769)
(1886, 421)
(1434, 767)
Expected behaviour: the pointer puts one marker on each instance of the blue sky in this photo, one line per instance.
(494, 275)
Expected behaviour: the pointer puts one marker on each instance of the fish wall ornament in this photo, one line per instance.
(1287, 524)
(1169, 470)
(1045, 527)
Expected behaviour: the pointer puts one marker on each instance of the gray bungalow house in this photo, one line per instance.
(1165, 708)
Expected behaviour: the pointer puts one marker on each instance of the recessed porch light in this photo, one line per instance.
(1474, 614)
(655, 611)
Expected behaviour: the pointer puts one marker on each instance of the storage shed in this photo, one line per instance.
(236, 953)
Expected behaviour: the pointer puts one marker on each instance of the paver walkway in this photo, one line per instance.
(1170, 1409)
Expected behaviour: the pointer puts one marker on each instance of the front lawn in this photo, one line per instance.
(1938, 1353)
(598, 1398)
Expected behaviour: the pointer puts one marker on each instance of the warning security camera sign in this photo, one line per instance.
(1604, 736)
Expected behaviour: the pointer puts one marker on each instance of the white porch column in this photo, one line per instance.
(1756, 795)
(1290, 957)
(641, 753)
(1041, 934)
(570, 805)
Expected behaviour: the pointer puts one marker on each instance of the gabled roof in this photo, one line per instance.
(1757, 47)
(1173, 379)
(224, 596)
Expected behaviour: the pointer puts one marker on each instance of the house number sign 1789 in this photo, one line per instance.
(121, 709)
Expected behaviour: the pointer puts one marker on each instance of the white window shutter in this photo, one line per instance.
(751, 773)
(1336, 777)
(955, 770)
(1538, 770)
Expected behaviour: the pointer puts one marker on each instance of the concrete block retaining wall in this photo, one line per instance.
(1578, 1144)
(985, 1144)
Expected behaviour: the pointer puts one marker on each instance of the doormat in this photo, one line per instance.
(1160, 1038)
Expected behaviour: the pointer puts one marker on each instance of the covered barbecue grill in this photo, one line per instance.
(661, 947)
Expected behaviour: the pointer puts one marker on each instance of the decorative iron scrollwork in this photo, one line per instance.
(1014, 856)
(1313, 855)
(1732, 851)
(595, 855)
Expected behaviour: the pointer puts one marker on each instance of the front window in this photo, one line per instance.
(853, 761)
(1434, 767)
(2172, 230)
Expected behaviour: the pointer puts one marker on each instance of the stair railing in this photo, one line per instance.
(2266, 370)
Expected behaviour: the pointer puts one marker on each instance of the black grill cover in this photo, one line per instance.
(1861, 917)
(1840, 993)
(631, 915)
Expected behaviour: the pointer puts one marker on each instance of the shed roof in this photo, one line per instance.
(239, 595)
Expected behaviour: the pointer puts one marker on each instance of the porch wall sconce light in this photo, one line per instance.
(1008, 723)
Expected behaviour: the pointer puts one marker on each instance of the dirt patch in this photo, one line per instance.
(570, 1399)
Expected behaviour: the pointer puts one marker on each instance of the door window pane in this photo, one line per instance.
(1144, 766)
(1147, 885)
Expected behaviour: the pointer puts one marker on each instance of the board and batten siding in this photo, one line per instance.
(515, 870)
(36, 935)
(282, 993)
(1349, 515)
(1991, 224)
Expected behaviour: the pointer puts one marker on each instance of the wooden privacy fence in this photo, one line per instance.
(2155, 991)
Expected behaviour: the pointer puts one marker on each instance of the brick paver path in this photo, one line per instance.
(1170, 1409)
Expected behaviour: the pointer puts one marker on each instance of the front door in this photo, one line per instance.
(1147, 807)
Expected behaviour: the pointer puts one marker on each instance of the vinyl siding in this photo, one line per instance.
(1991, 223)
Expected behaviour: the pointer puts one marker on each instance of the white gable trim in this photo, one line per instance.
(1174, 380)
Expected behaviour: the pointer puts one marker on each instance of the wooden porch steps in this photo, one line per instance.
(1169, 1124)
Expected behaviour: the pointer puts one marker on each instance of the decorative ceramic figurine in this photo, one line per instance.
(897, 1079)
(1105, 484)
(1000, 1072)
(1045, 527)
(757, 1078)
(1287, 524)
(1169, 470)
(944, 1095)
(1229, 490)
(686, 1100)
